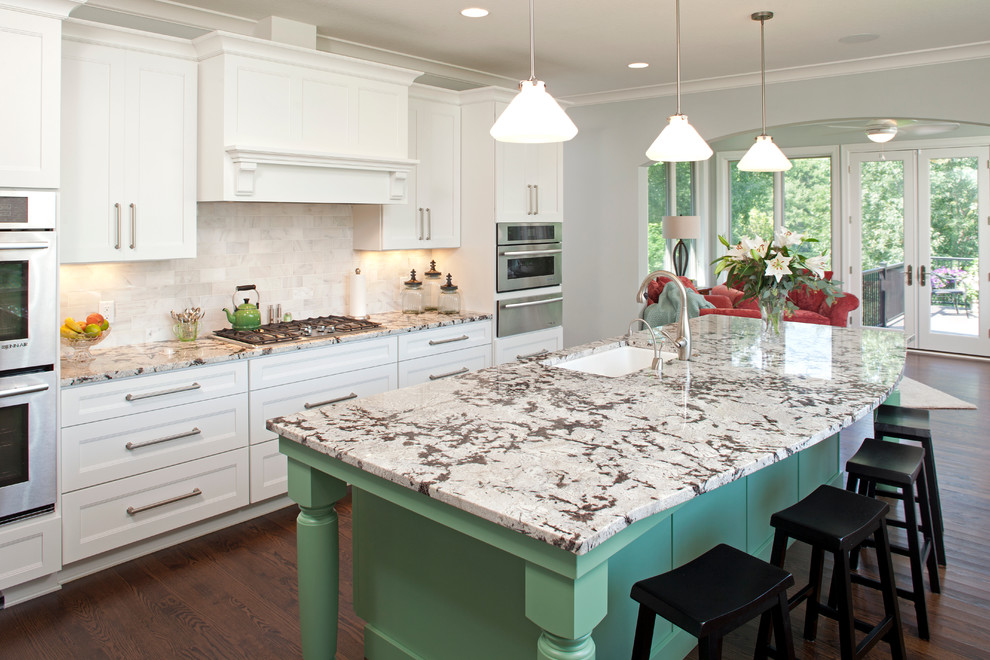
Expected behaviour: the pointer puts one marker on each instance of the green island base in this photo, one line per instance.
(433, 582)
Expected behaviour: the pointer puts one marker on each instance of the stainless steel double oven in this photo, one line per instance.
(28, 350)
(528, 260)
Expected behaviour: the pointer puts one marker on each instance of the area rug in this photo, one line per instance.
(919, 395)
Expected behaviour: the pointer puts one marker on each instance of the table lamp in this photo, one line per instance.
(681, 228)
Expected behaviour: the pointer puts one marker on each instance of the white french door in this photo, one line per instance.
(920, 253)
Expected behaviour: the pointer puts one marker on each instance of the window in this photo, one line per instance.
(671, 189)
(799, 199)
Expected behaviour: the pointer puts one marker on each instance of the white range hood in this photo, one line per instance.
(281, 123)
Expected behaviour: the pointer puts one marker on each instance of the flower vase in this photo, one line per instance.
(772, 315)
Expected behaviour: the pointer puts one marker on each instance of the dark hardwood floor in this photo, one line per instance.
(232, 594)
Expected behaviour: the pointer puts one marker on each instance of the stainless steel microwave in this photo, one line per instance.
(528, 255)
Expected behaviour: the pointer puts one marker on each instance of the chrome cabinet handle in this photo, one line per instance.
(24, 246)
(529, 252)
(309, 406)
(462, 370)
(429, 224)
(131, 446)
(174, 390)
(18, 391)
(529, 355)
(921, 276)
(133, 225)
(536, 206)
(437, 342)
(529, 199)
(908, 274)
(134, 510)
(116, 207)
(420, 224)
(533, 302)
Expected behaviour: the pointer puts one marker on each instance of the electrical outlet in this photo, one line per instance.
(106, 310)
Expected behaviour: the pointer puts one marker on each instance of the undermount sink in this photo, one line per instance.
(616, 362)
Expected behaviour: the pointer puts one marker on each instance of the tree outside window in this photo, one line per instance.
(666, 197)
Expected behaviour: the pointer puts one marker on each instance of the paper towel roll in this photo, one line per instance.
(359, 295)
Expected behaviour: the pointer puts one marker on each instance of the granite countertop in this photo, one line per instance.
(571, 458)
(152, 357)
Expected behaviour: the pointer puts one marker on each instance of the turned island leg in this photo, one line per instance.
(318, 557)
(567, 609)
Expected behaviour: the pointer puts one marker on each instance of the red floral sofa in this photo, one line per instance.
(812, 307)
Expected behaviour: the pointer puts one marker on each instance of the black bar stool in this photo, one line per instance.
(915, 425)
(710, 597)
(836, 521)
(902, 468)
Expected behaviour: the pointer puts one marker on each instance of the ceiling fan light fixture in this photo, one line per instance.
(881, 134)
(533, 116)
(764, 155)
(679, 141)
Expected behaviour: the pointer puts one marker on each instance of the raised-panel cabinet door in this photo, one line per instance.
(92, 199)
(161, 155)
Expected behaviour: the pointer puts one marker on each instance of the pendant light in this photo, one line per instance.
(764, 156)
(679, 141)
(533, 116)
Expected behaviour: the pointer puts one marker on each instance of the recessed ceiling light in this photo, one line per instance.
(474, 12)
(859, 38)
(638, 65)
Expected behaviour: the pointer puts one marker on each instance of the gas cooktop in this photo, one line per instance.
(318, 327)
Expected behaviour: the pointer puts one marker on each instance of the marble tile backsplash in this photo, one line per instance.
(298, 255)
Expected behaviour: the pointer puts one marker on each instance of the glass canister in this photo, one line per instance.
(412, 295)
(450, 298)
(432, 279)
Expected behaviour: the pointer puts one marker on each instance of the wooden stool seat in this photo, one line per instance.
(914, 424)
(838, 522)
(712, 596)
(901, 467)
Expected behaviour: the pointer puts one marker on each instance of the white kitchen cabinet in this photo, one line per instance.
(528, 182)
(432, 216)
(444, 365)
(128, 148)
(116, 513)
(29, 114)
(430, 343)
(30, 549)
(528, 345)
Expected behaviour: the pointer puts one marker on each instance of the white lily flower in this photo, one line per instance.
(778, 267)
(787, 238)
(760, 245)
(737, 253)
(816, 265)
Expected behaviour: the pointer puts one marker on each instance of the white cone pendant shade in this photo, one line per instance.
(533, 116)
(764, 156)
(678, 142)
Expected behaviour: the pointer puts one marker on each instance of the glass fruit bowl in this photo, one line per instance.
(81, 344)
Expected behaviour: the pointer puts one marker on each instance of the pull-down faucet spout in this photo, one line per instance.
(683, 339)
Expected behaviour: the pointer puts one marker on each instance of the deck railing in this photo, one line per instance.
(883, 294)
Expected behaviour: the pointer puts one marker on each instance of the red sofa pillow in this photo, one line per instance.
(655, 287)
(734, 295)
(810, 300)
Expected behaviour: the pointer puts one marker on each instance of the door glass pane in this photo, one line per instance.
(657, 179)
(808, 203)
(954, 242)
(13, 445)
(751, 202)
(13, 300)
(882, 241)
(684, 173)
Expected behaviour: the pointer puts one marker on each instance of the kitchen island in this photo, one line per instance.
(507, 512)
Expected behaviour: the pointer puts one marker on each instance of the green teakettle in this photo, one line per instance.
(246, 316)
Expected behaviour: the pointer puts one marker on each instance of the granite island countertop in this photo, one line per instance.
(159, 356)
(571, 458)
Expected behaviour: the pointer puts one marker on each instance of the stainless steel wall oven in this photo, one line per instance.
(28, 350)
(528, 255)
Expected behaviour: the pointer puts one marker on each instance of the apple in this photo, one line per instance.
(94, 319)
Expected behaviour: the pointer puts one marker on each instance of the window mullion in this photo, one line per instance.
(778, 201)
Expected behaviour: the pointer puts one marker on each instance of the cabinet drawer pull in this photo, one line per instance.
(134, 510)
(536, 207)
(529, 355)
(116, 208)
(462, 370)
(131, 446)
(308, 406)
(174, 390)
(437, 342)
(421, 221)
(17, 391)
(133, 225)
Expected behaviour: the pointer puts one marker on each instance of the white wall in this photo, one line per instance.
(602, 264)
